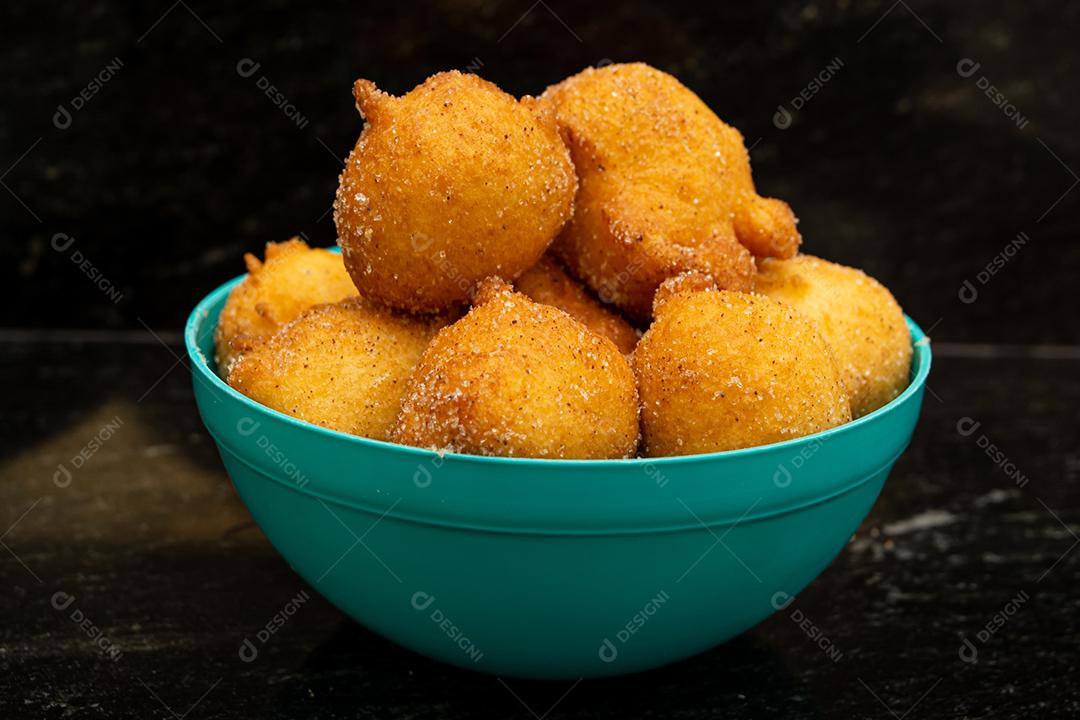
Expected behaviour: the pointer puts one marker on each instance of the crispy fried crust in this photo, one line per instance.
(293, 278)
(448, 184)
(858, 317)
(518, 378)
(721, 370)
(343, 366)
(547, 283)
(665, 187)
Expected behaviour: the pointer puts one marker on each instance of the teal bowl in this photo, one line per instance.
(549, 568)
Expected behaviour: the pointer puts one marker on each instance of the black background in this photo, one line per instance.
(898, 164)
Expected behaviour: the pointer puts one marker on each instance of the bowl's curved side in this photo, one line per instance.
(549, 606)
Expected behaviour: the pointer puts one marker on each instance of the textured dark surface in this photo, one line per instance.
(159, 553)
(899, 164)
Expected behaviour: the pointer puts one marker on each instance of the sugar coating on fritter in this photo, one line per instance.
(547, 283)
(343, 366)
(293, 278)
(721, 370)
(858, 317)
(665, 187)
(451, 183)
(518, 378)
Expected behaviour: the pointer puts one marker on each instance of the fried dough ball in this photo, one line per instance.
(547, 283)
(343, 366)
(518, 378)
(858, 317)
(665, 187)
(722, 370)
(448, 184)
(293, 278)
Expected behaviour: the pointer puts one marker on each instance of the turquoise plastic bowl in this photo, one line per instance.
(549, 568)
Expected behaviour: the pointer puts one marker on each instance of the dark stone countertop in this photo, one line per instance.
(152, 542)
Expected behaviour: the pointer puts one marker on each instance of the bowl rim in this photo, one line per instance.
(921, 360)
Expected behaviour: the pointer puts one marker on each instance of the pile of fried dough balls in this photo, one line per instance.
(587, 274)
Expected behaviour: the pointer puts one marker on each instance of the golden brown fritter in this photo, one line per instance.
(665, 187)
(293, 278)
(722, 370)
(857, 316)
(518, 378)
(547, 283)
(343, 366)
(448, 184)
